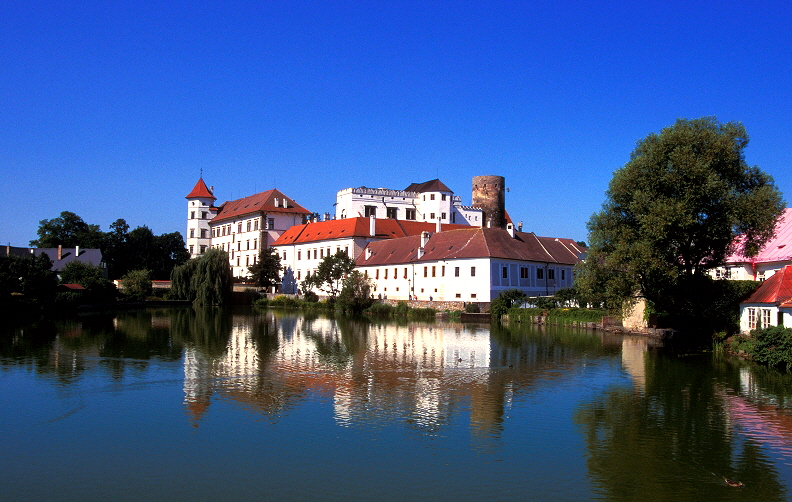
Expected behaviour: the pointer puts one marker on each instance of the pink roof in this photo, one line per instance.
(779, 248)
(258, 203)
(355, 227)
(776, 289)
(200, 191)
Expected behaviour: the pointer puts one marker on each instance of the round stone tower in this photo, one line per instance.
(489, 194)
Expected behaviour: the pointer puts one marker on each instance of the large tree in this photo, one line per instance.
(673, 211)
(330, 274)
(266, 271)
(67, 230)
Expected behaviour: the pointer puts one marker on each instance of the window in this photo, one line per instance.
(395, 273)
(426, 271)
(472, 295)
(255, 224)
(370, 211)
(247, 244)
(563, 275)
(431, 197)
(442, 216)
(192, 233)
(239, 245)
(431, 216)
(523, 272)
(443, 197)
(505, 272)
(191, 249)
(247, 261)
(765, 317)
(255, 243)
(203, 250)
(239, 227)
(203, 233)
(409, 214)
(392, 212)
(315, 251)
(376, 274)
(270, 223)
(540, 273)
(433, 271)
(203, 215)
(385, 274)
(249, 225)
(442, 271)
(192, 215)
(321, 253)
(472, 271)
(551, 273)
(459, 295)
(405, 272)
(299, 255)
(299, 273)
(751, 314)
(456, 271)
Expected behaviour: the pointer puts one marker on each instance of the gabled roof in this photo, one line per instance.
(472, 242)
(777, 249)
(263, 202)
(777, 289)
(354, 227)
(200, 191)
(428, 186)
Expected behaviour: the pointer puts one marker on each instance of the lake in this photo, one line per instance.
(248, 404)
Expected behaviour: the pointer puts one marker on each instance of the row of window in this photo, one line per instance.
(203, 233)
(204, 215)
(540, 273)
(318, 253)
(248, 226)
(228, 246)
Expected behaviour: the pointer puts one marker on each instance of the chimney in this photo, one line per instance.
(424, 238)
(519, 227)
(372, 226)
(211, 190)
(368, 252)
(510, 229)
(327, 217)
(76, 251)
(60, 252)
(438, 226)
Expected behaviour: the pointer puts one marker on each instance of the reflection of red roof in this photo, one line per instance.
(473, 243)
(776, 289)
(260, 202)
(200, 190)
(779, 248)
(355, 227)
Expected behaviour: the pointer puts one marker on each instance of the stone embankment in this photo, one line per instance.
(609, 324)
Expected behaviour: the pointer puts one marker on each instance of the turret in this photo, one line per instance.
(200, 210)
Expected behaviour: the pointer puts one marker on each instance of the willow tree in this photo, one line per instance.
(206, 280)
(673, 211)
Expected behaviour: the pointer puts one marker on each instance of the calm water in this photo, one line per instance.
(217, 405)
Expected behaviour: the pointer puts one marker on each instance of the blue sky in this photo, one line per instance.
(112, 109)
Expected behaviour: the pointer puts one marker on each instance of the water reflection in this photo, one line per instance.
(646, 424)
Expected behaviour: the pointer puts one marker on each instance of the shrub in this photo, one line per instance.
(310, 296)
(773, 346)
(472, 308)
(136, 284)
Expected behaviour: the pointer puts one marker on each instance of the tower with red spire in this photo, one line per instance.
(200, 210)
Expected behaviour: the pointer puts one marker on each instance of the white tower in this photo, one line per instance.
(200, 209)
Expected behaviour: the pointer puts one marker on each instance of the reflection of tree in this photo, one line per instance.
(208, 329)
(671, 443)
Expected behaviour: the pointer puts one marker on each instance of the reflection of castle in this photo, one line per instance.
(416, 373)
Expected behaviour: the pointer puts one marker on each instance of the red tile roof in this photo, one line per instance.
(355, 227)
(777, 249)
(263, 202)
(776, 289)
(473, 242)
(201, 191)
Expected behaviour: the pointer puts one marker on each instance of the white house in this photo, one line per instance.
(303, 247)
(429, 201)
(469, 264)
(774, 255)
(240, 227)
(770, 304)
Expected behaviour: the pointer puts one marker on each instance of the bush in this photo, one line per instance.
(773, 346)
(472, 308)
(310, 296)
(136, 284)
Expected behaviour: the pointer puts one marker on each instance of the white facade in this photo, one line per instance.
(764, 314)
(403, 205)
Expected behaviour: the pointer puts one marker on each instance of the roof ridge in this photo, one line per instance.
(543, 247)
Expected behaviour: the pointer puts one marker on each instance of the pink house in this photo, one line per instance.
(774, 256)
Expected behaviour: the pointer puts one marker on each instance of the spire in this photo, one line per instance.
(200, 191)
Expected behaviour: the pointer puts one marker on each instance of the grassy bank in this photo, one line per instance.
(556, 315)
(770, 346)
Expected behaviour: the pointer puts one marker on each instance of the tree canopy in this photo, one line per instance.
(123, 250)
(206, 280)
(673, 211)
(330, 273)
(266, 271)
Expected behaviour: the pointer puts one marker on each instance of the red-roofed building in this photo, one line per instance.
(240, 227)
(773, 256)
(469, 264)
(302, 247)
(771, 304)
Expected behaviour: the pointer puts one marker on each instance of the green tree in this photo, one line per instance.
(68, 230)
(355, 293)
(31, 277)
(330, 273)
(136, 284)
(206, 280)
(266, 271)
(672, 213)
(506, 300)
(98, 289)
